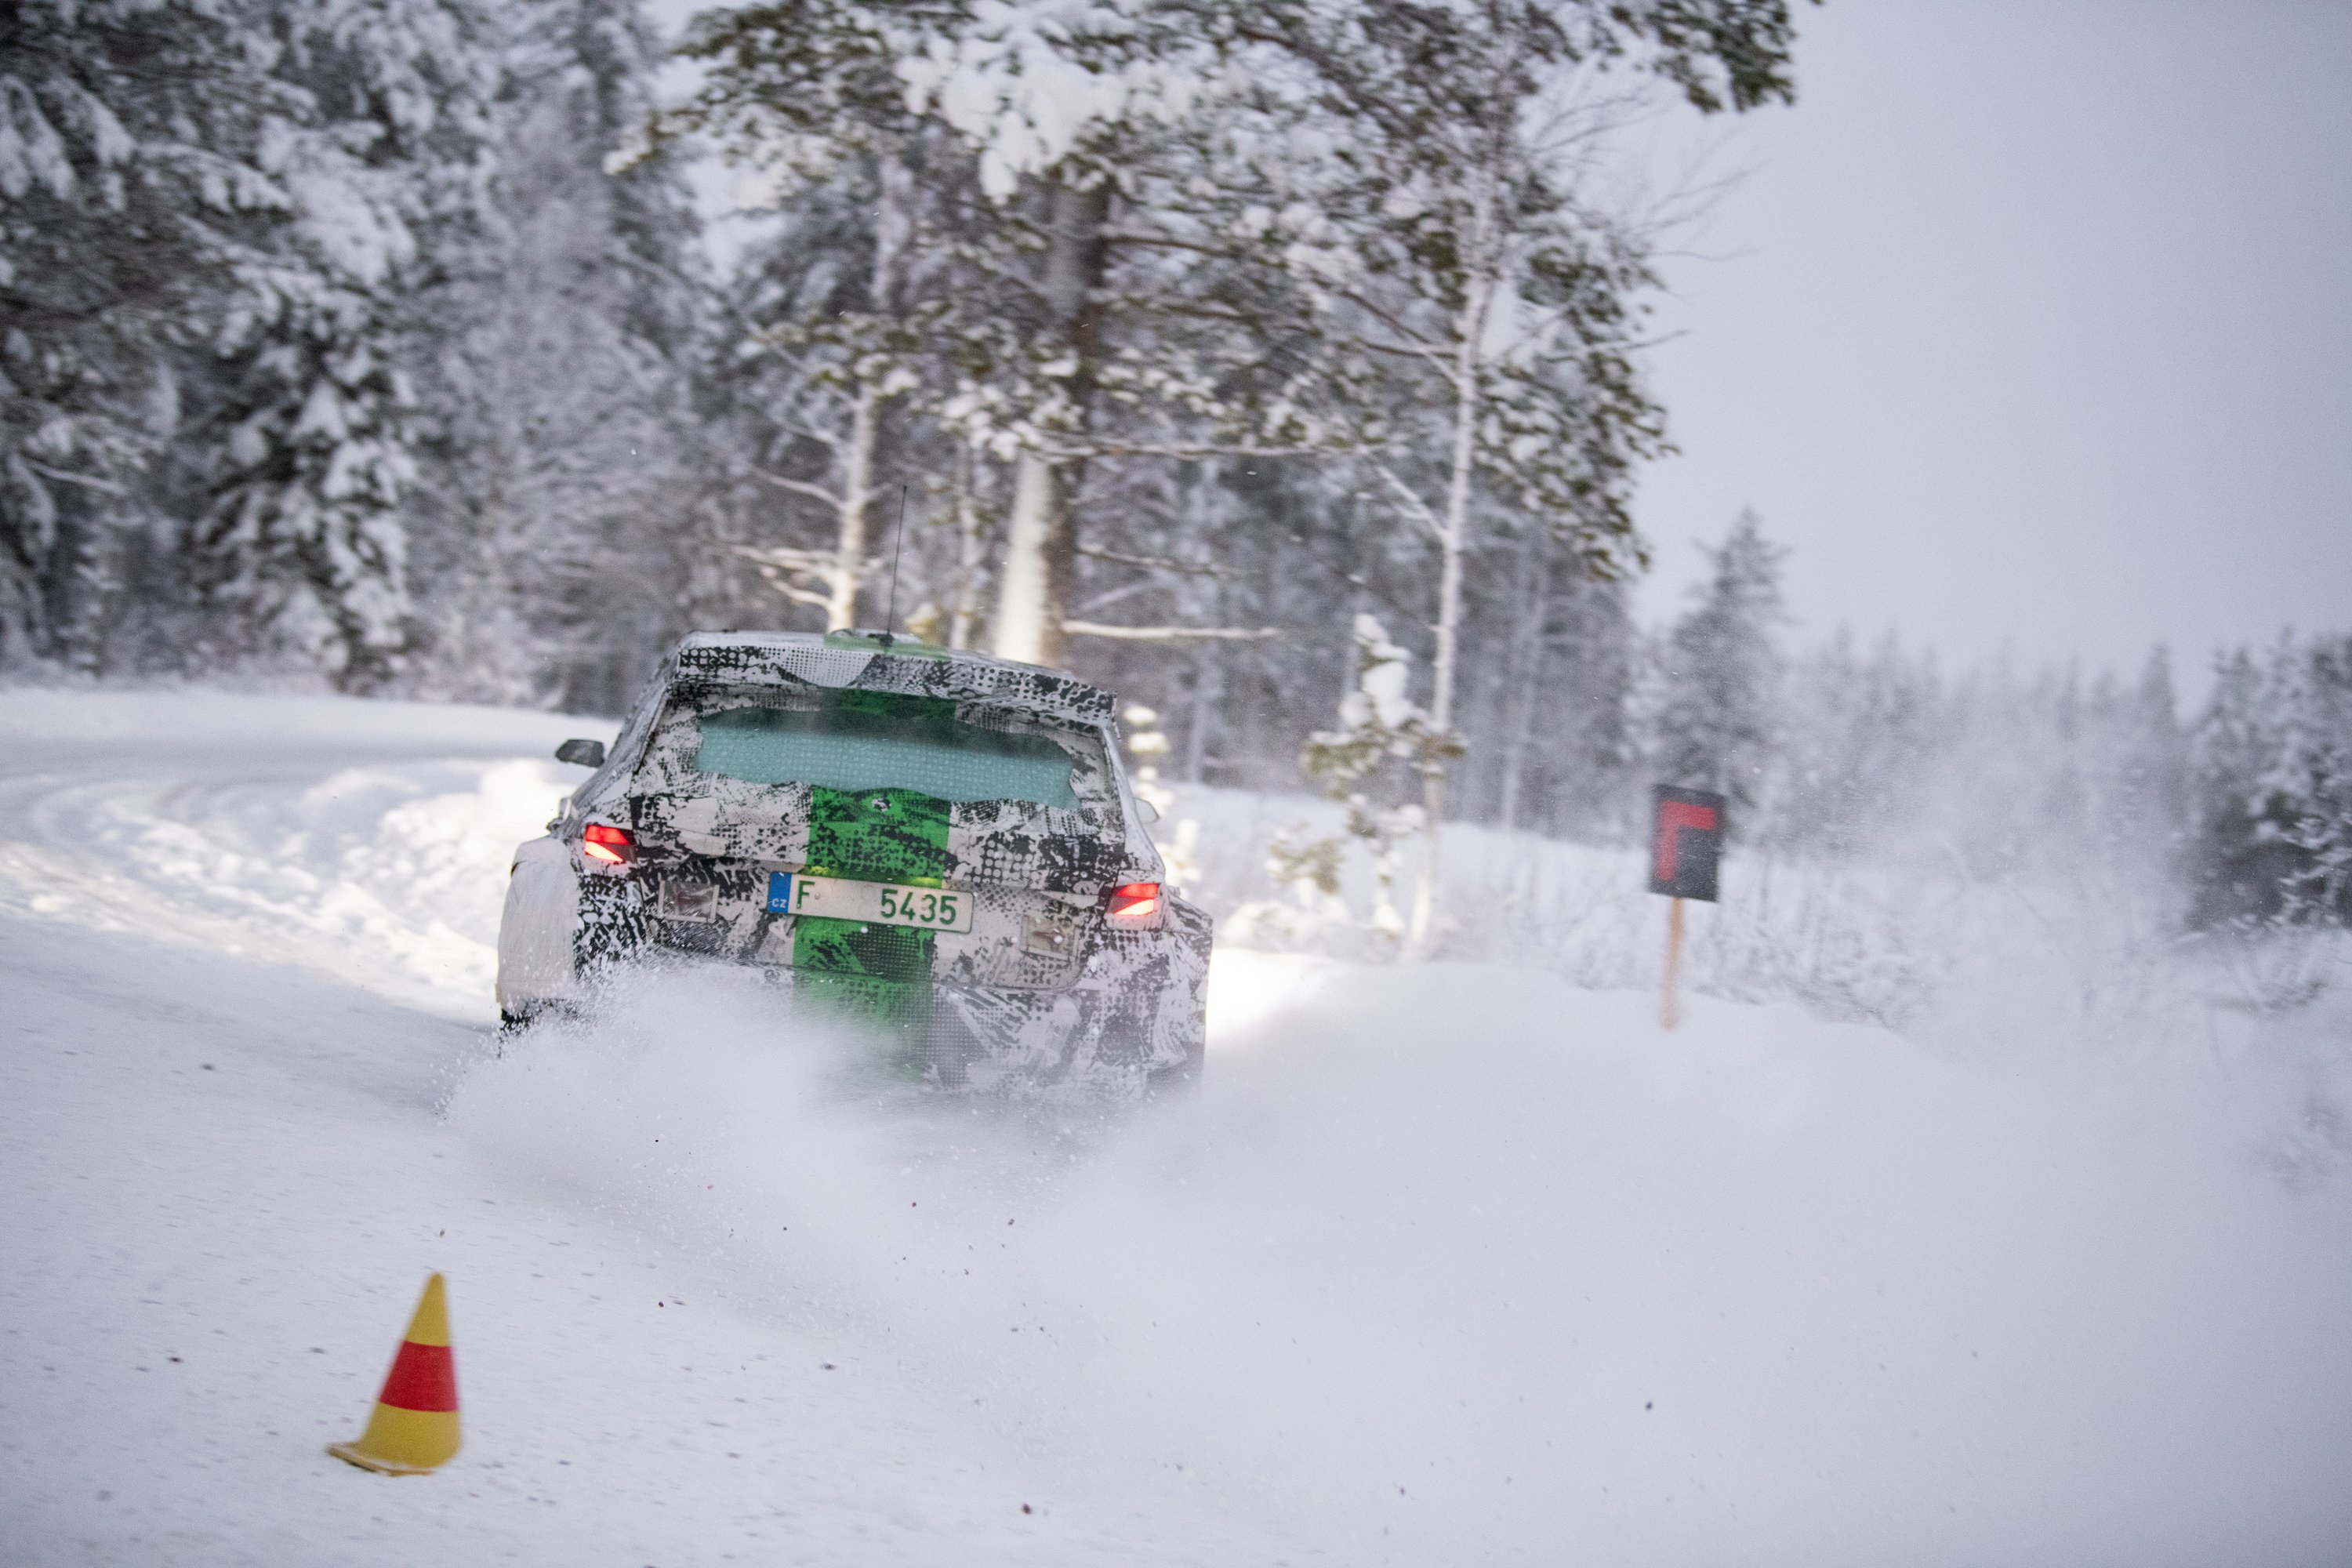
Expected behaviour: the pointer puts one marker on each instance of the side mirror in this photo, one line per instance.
(1145, 810)
(586, 753)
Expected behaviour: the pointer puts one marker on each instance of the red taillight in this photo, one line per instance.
(610, 845)
(1134, 904)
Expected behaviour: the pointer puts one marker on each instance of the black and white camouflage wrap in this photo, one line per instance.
(1040, 993)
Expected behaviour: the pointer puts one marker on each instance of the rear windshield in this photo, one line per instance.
(877, 742)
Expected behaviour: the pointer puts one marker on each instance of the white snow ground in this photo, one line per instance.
(1448, 1265)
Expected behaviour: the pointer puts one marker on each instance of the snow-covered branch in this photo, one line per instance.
(1410, 498)
(800, 487)
(1169, 633)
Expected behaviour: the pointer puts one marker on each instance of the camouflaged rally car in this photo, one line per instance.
(938, 848)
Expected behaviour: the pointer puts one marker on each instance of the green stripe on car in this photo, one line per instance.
(879, 975)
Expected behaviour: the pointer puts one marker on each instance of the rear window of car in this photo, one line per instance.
(862, 741)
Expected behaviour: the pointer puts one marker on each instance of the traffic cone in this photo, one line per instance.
(415, 1426)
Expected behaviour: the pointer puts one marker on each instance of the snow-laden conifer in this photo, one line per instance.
(839, 317)
(135, 203)
(1366, 763)
(1455, 234)
(568, 464)
(384, 161)
(2273, 786)
(1105, 286)
(1719, 672)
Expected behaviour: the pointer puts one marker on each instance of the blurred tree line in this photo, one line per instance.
(2238, 818)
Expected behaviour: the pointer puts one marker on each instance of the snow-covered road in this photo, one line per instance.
(1448, 1265)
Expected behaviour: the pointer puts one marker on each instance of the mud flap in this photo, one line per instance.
(535, 935)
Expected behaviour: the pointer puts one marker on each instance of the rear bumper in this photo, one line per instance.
(1133, 1016)
(1114, 1032)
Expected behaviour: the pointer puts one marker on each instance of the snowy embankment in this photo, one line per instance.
(1448, 1265)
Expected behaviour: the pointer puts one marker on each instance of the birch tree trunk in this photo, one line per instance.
(857, 490)
(1452, 534)
(1527, 675)
(893, 228)
(1041, 536)
(1208, 688)
(1208, 692)
(972, 546)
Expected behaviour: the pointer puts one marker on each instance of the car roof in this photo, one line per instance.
(881, 662)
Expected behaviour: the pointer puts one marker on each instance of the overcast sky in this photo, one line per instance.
(2028, 328)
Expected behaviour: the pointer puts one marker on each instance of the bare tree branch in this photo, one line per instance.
(1170, 449)
(776, 579)
(784, 557)
(1155, 563)
(67, 477)
(1169, 633)
(801, 488)
(1416, 508)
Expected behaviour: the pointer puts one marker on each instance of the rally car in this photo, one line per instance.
(937, 849)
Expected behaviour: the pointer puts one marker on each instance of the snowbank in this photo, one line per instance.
(365, 840)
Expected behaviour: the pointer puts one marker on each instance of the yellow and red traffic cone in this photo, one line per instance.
(415, 1426)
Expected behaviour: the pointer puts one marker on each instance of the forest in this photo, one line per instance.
(1279, 365)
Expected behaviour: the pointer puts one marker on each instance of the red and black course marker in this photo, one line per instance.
(1685, 843)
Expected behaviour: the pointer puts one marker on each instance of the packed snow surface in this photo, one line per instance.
(1447, 1264)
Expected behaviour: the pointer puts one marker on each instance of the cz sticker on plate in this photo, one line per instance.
(877, 903)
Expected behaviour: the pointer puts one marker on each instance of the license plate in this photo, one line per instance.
(877, 903)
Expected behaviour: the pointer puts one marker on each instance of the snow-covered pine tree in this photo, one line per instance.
(1112, 294)
(2236, 861)
(1471, 257)
(1380, 733)
(132, 209)
(1719, 671)
(2272, 787)
(841, 312)
(567, 458)
(1146, 311)
(820, 376)
(2145, 772)
(302, 551)
(2314, 777)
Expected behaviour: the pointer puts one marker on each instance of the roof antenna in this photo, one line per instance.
(898, 548)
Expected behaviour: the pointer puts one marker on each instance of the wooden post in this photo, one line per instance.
(1671, 1013)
